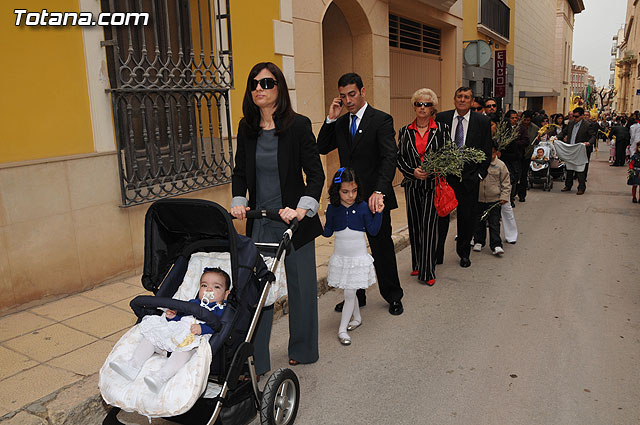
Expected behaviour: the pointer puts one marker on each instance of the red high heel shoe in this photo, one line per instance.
(414, 273)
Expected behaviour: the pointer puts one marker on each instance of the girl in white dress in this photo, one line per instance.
(175, 333)
(350, 266)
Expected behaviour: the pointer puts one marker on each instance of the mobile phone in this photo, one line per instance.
(341, 102)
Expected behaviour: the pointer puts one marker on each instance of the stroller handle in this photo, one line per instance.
(274, 215)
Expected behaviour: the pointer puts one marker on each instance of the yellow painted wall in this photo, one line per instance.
(44, 107)
(252, 39)
(44, 101)
(470, 26)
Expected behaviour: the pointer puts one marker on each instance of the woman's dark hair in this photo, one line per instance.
(225, 275)
(508, 114)
(343, 175)
(283, 114)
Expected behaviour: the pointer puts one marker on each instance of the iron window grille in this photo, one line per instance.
(411, 35)
(495, 15)
(170, 83)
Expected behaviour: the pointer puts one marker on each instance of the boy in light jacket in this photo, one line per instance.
(495, 190)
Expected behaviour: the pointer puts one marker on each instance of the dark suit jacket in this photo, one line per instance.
(479, 137)
(622, 133)
(514, 151)
(586, 133)
(297, 152)
(372, 153)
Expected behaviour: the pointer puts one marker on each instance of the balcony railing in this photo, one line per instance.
(495, 16)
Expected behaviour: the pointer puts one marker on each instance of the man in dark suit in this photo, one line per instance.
(578, 131)
(468, 129)
(365, 140)
(622, 134)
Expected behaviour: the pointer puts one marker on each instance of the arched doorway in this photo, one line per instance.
(346, 47)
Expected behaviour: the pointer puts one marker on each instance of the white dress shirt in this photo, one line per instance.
(358, 114)
(465, 125)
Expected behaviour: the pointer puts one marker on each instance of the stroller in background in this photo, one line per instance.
(174, 230)
(540, 169)
(557, 167)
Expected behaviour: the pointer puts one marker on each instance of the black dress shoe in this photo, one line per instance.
(465, 262)
(521, 199)
(395, 308)
(339, 306)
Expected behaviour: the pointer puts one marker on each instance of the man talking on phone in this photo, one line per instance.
(365, 140)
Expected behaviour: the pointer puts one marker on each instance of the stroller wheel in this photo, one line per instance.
(280, 398)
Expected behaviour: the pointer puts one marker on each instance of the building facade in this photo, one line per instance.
(565, 18)
(542, 74)
(491, 21)
(579, 80)
(98, 123)
(627, 98)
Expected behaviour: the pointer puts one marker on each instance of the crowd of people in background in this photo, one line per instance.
(278, 165)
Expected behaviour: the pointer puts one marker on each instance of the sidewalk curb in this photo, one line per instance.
(81, 402)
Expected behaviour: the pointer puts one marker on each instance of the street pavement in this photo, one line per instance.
(546, 334)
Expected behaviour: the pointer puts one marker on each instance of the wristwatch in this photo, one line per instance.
(379, 193)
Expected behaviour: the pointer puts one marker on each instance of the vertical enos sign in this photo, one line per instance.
(500, 73)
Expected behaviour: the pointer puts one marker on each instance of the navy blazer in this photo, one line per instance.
(297, 152)
(479, 137)
(372, 153)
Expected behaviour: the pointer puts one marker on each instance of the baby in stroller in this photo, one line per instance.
(539, 158)
(176, 333)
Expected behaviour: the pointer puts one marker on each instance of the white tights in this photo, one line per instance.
(173, 364)
(350, 308)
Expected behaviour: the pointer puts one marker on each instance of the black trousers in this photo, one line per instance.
(621, 152)
(423, 230)
(384, 260)
(582, 179)
(515, 168)
(523, 182)
(494, 225)
(466, 219)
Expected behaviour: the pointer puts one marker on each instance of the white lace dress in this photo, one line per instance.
(351, 266)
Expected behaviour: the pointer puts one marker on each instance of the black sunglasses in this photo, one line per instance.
(480, 108)
(425, 104)
(491, 106)
(265, 83)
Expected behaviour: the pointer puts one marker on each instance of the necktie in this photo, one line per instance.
(459, 133)
(354, 126)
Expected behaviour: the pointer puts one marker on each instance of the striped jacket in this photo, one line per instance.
(408, 157)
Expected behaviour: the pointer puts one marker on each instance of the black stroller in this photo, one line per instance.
(174, 230)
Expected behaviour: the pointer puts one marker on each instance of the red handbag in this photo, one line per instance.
(444, 198)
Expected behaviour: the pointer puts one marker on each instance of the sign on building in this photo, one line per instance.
(500, 73)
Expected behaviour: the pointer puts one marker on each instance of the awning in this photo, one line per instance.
(551, 93)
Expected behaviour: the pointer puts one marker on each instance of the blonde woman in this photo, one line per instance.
(422, 135)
